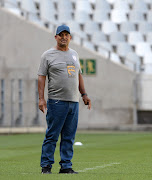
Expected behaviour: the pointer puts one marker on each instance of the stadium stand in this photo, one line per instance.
(118, 21)
(117, 30)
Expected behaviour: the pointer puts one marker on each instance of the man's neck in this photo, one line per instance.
(64, 48)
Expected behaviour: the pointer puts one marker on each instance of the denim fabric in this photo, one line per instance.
(62, 118)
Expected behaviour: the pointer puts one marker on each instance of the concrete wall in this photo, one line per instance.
(111, 89)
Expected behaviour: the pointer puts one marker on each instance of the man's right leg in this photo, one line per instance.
(56, 115)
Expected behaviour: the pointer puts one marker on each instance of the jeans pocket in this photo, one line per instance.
(53, 101)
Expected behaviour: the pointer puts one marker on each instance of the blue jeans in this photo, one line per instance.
(62, 118)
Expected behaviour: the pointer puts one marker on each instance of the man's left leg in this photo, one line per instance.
(67, 138)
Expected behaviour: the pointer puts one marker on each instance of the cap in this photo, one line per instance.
(62, 28)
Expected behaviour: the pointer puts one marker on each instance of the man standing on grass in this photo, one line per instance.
(61, 65)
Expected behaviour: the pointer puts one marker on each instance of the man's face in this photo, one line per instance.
(63, 39)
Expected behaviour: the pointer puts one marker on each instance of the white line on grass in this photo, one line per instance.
(96, 167)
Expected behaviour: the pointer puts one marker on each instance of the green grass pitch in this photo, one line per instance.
(103, 156)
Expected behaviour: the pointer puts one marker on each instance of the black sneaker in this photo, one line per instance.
(46, 170)
(68, 171)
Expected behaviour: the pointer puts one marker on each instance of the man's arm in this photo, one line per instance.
(85, 98)
(41, 87)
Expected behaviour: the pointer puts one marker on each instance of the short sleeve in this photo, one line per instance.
(43, 68)
(80, 71)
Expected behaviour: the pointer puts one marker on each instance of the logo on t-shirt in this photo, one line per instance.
(71, 69)
(74, 57)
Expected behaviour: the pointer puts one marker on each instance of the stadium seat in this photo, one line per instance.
(98, 37)
(105, 45)
(145, 27)
(78, 39)
(83, 5)
(100, 16)
(92, 1)
(148, 68)
(74, 26)
(140, 5)
(121, 6)
(29, 6)
(88, 45)
(133, 61)
(111, 1)
(12, 6)
(142, 48)
(118, 16)
(149, 37)
(81, 17)
(149, 16)
(114, 57)
(126, 27)
(47, 11)
(135, 37)
(103, 52)
(64, 16)
(147, 58)
(109, 27)
(102, 5)
(116, 37)
(136, 16)
(123, 48)
(64, 6)
(91, 27)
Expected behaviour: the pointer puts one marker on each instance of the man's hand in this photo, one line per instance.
(42, 105)
(87, 101)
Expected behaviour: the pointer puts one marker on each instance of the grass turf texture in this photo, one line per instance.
(20, 157)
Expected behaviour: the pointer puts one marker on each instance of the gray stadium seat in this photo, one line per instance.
(105, 45)
(88, 45)
(74, 26)
(136, 16)
(127, 27)
(142, 48)
(47, 11)
(79, 38)
(145, 27)
(12, 6)
(140, 5)
(148, 68)
(149, 16)
(64, 16)
(114, 57)
(103, 52)
(147, 61)
(135, 37)
(111, 1)
(149, 37)
(83, 5)
(133, 61)
(102, 5)
(64, 6)
(121, 5)
(118, 16)
(81, 17)
(116, 37)
(109, 27)
(123, 48)
(147, 58)
(98, 37)
(100, 16)
(91, 27)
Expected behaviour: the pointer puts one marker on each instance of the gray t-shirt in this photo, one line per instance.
(62, 69)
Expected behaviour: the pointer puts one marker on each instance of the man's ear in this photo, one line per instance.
(55, 36)
(70, 37)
